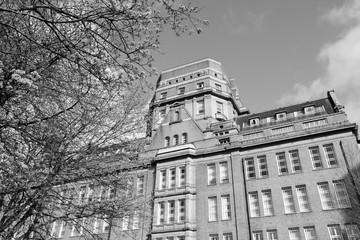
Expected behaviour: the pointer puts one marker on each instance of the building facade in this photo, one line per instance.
(220, 173)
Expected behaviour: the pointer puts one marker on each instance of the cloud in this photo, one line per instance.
(238, 24)
(341, 61)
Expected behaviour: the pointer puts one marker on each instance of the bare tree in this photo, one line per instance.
(72, 84)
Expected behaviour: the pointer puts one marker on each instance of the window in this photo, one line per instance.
(288, 200)
(167, 141)
(263, 169)
(330, 155)
(171, 216)
(212, 208)
(211, 172)
(325, 196)
(224, 172)
(254, 204)
(213, 237)
(181, 238)
(258, 235)
(106, 227)
(295, 161)
(181, 210)
(225, 207)
(302, 198)
(218, 87)
(176, 139)
(281, 116)
(294, 234)
(309, 110)
(77, 228)
(310, 233)
(184, 138)
(172, 177)
(267, 203)
(162, 179)
(315, 157)
(335, 232)
(82, 194)
(136, 221)
(161, 213)
(58, 229)
(219, 107)
(281, 161)
(314, 123)
(200, 85)
(352, 231)
(341, 194)
(200, 107)
(90, 193)
(182, 175)
(163, 95)
(224, 140)
(125, 223)
(176, 116)
(181, 90)
(140, 185)
(254, 121)
(227, 236)
(250, 168)
(272, 234)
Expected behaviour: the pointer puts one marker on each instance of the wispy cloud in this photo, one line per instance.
(341, 61)
(238, 23)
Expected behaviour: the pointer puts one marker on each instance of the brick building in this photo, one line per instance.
(221, 173)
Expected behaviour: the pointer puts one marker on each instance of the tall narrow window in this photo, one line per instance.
(211, 172)
(167, 141)
(227, 236)
(352, 231)
(295, 161)
(258, 235)
(335, 232)
(182, 176)
(263, 168)
(162, 179)
(341, 194)
(181, 210)
(212, 208)
(272, 234)
(302, 198)
(325, 196)
(172, 177)
(281, 161)
(136, 220)
(200, 107)
(176, 140)
(267, 203)
(254, 204)
(294, 234)
(315, 157)
(310, 233)
(288, 200)
(219, 107)
(171, 216)
(330, 155)
(184, 138)
(225, 207)
(224, 172)
(90, 193)
(176, 116)
(140, 185)
(82, 194)
(213, 237)
(250, 168)
(125, 223)
(161, 213)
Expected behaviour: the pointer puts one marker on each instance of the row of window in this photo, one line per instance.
(170, 212)
(309, 232)
(172, 238)
(176, 140)
(225, 236)
(295, 163)
(328, 201)
(172, 177)
(181, 90)
(89, 193)
(225, 208)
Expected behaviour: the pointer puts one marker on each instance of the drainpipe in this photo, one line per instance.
(232, 180)
(246, 199)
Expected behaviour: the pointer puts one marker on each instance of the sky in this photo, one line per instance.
(280, 52)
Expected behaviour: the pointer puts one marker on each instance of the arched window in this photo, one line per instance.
(184, 138)
(176, 116)
(167, 141)
(176, 139)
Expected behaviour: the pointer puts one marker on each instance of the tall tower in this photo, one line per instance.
(199, 90)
